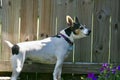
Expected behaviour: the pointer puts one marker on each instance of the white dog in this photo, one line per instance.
(52, 50)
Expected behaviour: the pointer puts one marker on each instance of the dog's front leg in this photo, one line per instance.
(58, 70)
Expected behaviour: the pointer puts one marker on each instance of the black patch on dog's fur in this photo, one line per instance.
(15, 49)
(57, 36)
(72, 29)
(68, 31)
(75, 26)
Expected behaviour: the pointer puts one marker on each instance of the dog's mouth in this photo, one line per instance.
(88, 33)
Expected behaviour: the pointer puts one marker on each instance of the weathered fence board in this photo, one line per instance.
(70, 9)
(36, 19)
(101, 31)
(0, 26)
(64, 8)
(83, 46)
(28, 30)
(5, 25)
(115, 32)
(46, 18)
(10, 24)
(14, 19)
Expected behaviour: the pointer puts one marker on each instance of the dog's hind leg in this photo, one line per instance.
(17, 65)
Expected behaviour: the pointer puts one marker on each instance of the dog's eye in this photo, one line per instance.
(81, 27)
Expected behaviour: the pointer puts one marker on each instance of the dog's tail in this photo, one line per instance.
(9, 43)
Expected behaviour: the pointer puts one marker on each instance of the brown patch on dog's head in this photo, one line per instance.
(77, 31)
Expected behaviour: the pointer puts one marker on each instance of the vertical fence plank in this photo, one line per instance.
(45, 16)
(28, 29)
(71, 11)
(53, 18)
(101, 31)
(35, 16)
(10, 15)
(65, 8)
(115, 32)
(5, 30)
(14, 19)
(0, 27)
(60, 15)
(83, 46)
(0, 10)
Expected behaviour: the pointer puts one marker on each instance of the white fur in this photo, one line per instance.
(9, 44)
(48, 51)
(52, 50)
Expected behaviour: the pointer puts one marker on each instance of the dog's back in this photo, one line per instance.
(44, 51)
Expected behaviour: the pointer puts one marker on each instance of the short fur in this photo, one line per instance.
(52, 50)
(15, 50)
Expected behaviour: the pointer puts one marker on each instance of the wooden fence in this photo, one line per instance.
(21, 20)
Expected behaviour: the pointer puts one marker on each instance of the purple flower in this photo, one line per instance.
(118, 68)
(113, 70)
(105, 65)
(94, 78)
(102, 69)
(91, 75)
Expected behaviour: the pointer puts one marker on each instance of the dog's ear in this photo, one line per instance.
(76, 20)
(69, 21)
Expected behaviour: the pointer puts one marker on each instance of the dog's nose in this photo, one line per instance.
(89, 31)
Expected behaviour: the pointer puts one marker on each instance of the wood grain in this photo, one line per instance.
(29, 15)
(101, 31)
(10, 21)
(83, 46)
(115, 32)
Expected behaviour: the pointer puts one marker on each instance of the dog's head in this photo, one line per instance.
(77, 30)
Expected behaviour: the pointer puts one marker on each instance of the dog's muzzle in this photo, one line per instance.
(89, 31)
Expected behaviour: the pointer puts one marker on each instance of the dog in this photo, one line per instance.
(51, 50)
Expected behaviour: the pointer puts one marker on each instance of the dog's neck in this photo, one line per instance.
(68, 34)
